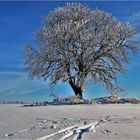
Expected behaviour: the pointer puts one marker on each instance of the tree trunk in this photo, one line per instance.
(77, 90)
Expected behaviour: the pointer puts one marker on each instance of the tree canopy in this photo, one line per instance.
(76, 43)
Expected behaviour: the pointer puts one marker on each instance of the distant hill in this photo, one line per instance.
(115, 99)
(101, 100)
(75, 100)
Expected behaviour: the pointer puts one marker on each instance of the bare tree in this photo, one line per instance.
(77, 43)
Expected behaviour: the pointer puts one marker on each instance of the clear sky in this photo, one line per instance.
(18, 23)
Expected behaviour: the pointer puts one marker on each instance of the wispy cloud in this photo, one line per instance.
(17, 83)
(11, 68)
(14, 73)
(18, 90)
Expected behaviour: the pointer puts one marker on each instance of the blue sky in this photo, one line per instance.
(18, 23)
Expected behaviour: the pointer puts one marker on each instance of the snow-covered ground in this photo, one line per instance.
(88, 122)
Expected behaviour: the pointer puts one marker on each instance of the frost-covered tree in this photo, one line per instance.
(76, 43)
